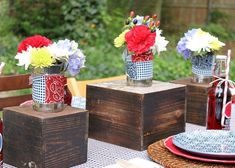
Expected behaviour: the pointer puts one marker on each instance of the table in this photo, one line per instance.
(101, 154)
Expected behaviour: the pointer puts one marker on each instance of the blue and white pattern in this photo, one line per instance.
(209, 143)
(78, 102)
(39, 89)
(138, 70)
(203, 65)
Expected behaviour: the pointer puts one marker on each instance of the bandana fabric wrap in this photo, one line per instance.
(48, 88)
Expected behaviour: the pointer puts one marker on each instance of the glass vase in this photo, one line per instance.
(48, 88)
(139, 68)
(202, 68)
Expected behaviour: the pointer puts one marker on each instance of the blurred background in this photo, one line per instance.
(95, 23)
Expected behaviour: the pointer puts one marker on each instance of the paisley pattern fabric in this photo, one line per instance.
(48, 88)
(147, 56)
(202, 65)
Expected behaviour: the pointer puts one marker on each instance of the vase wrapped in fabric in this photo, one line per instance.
(139, 68)
(202, 68)
(48, 88)
(200, 47)
(49, 61)
(143, 39)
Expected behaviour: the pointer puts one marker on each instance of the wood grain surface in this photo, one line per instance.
(14, 83)
(135, 117)
(46, 140)
(196, 101)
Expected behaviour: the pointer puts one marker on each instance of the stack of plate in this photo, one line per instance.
(208, 146)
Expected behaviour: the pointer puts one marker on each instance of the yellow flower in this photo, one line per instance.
(41, 57)
(215, 44)
(120, 40)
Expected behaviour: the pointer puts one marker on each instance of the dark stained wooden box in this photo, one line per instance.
(196, 101)
(45, 140)
(135, 117)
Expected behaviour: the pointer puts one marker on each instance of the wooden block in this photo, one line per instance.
(135, 117)
(196, 101)
(45, 140)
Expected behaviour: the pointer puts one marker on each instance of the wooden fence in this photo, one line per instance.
(186, 12)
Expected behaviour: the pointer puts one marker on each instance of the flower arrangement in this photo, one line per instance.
(40, 52)
(198, 42)
(141, 34)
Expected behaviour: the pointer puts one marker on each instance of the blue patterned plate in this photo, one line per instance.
(210, 143)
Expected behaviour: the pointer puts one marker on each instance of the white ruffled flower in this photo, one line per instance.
(160, 42)
(57, 52)
(24, 58)
(200, 42)
(62, 49)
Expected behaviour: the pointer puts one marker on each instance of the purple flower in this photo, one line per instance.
(181, 46)
(76, 62)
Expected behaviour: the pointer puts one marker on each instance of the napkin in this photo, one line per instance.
(140, 163)
(79, 102)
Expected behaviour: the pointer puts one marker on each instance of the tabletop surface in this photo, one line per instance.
(101, 154)
(120, 85)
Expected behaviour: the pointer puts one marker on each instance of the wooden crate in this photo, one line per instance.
(45, 140)
(196, 101)
(135, 117)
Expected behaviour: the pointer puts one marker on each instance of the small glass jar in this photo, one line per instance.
(220, 65)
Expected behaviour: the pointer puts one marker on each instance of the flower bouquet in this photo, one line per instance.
(49, 61)
(143, 39)
(200, 47)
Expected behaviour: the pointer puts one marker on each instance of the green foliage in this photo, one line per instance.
(216, 26)
(219, 31)
(76, 19)
(103, 60)
(85, 20)
(170, 65)
(37, 17)
(94, 24)
(219, 17)
(8, 41)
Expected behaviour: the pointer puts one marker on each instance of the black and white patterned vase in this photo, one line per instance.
(202, 68)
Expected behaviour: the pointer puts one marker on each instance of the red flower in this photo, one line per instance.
(36, 41)
(140, 39)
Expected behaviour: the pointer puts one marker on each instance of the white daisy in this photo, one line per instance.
(24, 58)
(160, 42)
